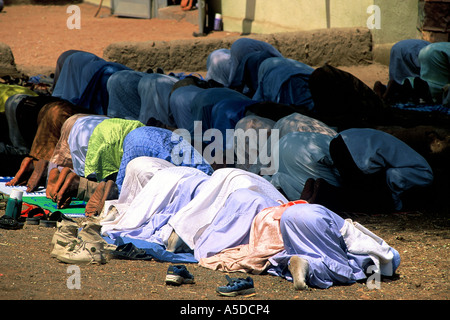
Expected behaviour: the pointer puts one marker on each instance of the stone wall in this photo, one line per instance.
(7, 63)
(339, 47)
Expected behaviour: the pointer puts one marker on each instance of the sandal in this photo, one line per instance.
(33, 214)
(50, 218)
(131, 252)
(6, 222)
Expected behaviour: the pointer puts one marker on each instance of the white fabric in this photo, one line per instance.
(360, 240)
(139, 171)
(153, 198)
(190, 222)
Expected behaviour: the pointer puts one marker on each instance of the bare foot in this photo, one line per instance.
(105, 191)
(299, 268)
(59, 182)
(95, 200)
(68, 190)
(21, 177)
(53, 176)
(38, 175)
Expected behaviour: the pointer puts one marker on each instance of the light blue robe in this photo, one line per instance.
(313, 232)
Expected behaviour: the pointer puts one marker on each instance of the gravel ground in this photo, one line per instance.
(27, 272)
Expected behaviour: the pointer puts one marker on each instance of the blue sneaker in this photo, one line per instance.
(236, 286)
(178, 274)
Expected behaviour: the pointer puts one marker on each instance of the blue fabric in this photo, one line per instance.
(204, 101)
(158, 143)
(83, 80)
(243, 46)
(246, 75)
(225, 114)
(180, 106)
(184, 185)
(435, 67)
(71, 83)
(312, 232)
(404, 59)
(284, 81)
(154, 90)
(95, 97)
(231, 226)
(218, 66)
(303, 155)
(78, 140)
(373, 150)
(124, 98)
(157, 251)
(436, 108)
(60, 63)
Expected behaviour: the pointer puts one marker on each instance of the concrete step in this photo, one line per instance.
(175, 12)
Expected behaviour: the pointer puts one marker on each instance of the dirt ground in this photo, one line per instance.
(37, 35)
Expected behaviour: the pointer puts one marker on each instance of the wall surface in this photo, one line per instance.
(397, 18)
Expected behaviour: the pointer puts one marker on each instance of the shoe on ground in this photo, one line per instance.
(90, 232)
(64, 237)
(65, 229)
(178, 274)
(6, 222)
(84, 253)
(236, 286)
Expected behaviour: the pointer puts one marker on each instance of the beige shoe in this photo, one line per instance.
(84, 253)
(299, 268)
(90, 232)
(65, 235)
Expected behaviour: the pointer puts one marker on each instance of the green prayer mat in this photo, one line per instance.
(75, 209)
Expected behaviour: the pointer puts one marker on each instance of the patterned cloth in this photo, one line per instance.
(297, 122)
(163, 144)
(78, 140)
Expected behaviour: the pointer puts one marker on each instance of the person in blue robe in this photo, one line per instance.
(379, 173)
(284, 81)
(321, 249)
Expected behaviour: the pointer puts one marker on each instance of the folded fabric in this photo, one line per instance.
(265, 241)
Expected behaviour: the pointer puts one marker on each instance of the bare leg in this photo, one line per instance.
(39, 174)
(299, 268)
(26, 167)
(68, 190)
